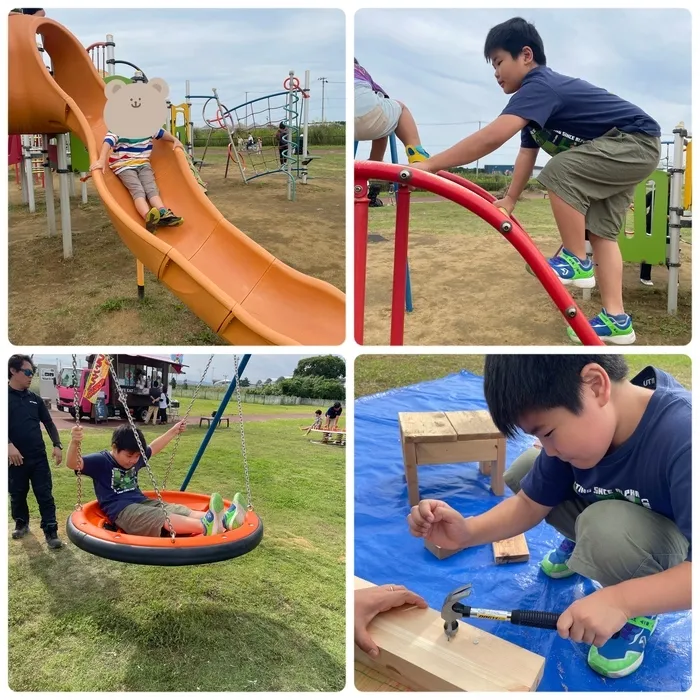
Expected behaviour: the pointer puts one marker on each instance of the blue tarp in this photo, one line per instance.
(385, 552)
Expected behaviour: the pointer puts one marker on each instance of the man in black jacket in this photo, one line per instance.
(27, 453)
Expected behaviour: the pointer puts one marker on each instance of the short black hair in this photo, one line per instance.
(16, 362)
(123, 439)
(513, 36)
(318, 411)
(517, 384)
(336, 404)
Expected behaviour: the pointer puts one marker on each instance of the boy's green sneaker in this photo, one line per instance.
(167, 218)
(572, 270)
(555, 563)
(235, 515)
(623, 654)
(611, 329)
(152, 219)
(212, 521)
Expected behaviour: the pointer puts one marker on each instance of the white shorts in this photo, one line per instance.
(375, 116)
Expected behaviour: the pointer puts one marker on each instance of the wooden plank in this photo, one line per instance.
(426, 427)
(370, 680)
(414, 650)
(452, 452)
(511, 551)
(473, 425)
(497, 481)
(440, 552)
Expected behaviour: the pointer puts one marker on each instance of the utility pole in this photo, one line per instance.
(323, 99)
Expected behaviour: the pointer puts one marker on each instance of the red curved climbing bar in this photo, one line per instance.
(468, 195)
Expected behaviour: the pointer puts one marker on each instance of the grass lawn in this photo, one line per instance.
(273, 620)
(376, 373)
(204, 407)
(470, 286)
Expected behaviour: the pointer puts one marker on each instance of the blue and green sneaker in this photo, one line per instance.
(212, 520)
(623, 654)
(416, 154)
(555, 563)
(614, 330)
(235, 515)
(572, 270)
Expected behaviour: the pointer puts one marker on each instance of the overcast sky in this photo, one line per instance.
(432, 60)
(232, 50)
(259, 367)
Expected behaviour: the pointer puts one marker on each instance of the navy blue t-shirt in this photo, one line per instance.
(115, 488)
(652, 468)
(565, 112)
(333, 412)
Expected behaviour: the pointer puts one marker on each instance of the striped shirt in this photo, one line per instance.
(130, 153)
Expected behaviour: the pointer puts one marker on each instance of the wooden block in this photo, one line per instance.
(452, 452)
(414, 650)
(497, 482)
(486, 467)
(440, 552)
(511, 551)
(370, 680)
(426, 427)
(473, 425)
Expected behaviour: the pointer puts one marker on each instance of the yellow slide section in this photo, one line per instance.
(235, 286)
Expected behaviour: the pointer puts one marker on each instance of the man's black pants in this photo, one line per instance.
(36, 471)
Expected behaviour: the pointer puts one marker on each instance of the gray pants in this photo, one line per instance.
(140, 182)
(615, 540)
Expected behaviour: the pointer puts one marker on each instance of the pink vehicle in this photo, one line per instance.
(137, 375)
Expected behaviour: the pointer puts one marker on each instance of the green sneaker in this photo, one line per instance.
(614, 330)
(212, 521)
(234, 517)
(167, 218)
(555, 562)
(152, 220)
(571, 270)
(624, 653)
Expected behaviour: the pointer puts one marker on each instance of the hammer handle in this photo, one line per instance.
(535, 618)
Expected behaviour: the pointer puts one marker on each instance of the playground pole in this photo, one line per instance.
(190, 133)
(305, 105)
(110, 68)
(290, 149)
(140, 279)
(48, 186)
(64, 190)
(395, 159)
(215, 421)
(28, 174)
(675, 212)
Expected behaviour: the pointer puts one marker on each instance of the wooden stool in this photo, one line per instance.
(446, 438)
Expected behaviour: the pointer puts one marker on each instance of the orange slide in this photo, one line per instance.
(234, 285)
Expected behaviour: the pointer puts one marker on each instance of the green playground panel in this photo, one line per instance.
(181, 133)
(79, 157)
(641, 247)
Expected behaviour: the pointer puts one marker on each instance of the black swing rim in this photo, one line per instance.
(163, 556)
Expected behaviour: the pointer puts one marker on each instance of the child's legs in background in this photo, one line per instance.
(616, 540)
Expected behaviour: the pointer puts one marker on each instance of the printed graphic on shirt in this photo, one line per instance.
(123, 481)
(554, 142)
(602, 494)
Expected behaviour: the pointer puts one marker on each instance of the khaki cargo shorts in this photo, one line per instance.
(140, 182)
(598, 178)
(147, 518)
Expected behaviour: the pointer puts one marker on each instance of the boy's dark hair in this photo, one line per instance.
(336, 404)
(513, 36)
(318, 411)
(517, 384)
(16, 362)
(123, 439)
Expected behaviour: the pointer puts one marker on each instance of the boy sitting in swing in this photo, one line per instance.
(114, 475)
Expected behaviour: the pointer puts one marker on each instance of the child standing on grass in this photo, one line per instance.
(614, 478)
(114, 474)
(602, 147)
(129, 161)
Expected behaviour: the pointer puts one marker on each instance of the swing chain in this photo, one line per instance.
(240, 419)
(186, 416)
(76, 416)
(142, 450)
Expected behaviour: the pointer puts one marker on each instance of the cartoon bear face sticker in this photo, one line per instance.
(136, 110)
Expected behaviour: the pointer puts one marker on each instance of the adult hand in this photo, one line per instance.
(76, 433)
(57, 455)
(439, 524)
(507, 203)
(369, 602)
(178, 144)
(14, 456)
(593, 619)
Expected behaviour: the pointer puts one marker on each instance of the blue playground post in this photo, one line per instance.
(395, 187)
(215, 422)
